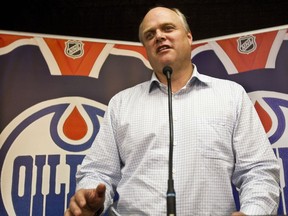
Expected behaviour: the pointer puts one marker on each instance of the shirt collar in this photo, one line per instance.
(196, 76)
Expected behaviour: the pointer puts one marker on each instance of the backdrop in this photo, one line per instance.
(54, 91)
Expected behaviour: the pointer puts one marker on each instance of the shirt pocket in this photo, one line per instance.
(214, 136)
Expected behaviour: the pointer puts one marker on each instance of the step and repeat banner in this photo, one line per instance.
(54, 91)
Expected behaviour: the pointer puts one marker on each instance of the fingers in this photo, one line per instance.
(87, 201)
(77, 204)
(68, 212)
(238, 214)
(100, 190)
(95, 198)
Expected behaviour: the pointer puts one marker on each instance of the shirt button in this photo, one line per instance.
(173, 171)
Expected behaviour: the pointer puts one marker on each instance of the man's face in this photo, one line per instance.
(165, 39)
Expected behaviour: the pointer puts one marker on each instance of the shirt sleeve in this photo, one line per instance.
(102, 163)
(256, 173)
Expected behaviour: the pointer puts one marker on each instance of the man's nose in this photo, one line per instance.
(160, 36)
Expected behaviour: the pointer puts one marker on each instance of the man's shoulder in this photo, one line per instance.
(221, 81)
(132, 90)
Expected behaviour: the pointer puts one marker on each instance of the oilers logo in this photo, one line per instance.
(50, 113)
(51, 116)
(41, 175)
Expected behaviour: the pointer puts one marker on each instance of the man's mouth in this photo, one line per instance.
(162, 48)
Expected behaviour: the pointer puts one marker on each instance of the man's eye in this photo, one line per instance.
(149, 36)
(169, 28)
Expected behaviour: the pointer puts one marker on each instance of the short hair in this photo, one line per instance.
(178, 12)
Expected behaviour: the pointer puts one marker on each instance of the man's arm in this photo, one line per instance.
(256, 173)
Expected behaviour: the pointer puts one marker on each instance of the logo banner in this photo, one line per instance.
(54, 93)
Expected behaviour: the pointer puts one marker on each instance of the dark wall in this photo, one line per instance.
(119, 19)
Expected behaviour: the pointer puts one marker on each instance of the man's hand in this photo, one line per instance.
(238, 214)
(86, 202)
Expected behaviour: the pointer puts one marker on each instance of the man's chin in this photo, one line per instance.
(159, 64)
(166, 61)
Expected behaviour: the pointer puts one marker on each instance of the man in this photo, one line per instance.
(218, 137)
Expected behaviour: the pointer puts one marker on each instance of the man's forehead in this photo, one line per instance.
(159, 17)
(159, 13)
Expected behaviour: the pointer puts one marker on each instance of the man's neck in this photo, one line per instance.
(180, 78)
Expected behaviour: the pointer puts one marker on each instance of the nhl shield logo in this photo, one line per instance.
(74, 49)
(246, 44)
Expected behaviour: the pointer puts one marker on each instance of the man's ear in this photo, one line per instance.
(190, 37)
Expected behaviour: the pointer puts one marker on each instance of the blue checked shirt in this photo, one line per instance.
(218, 141)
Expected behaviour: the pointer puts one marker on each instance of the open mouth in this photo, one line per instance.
(162, 48)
